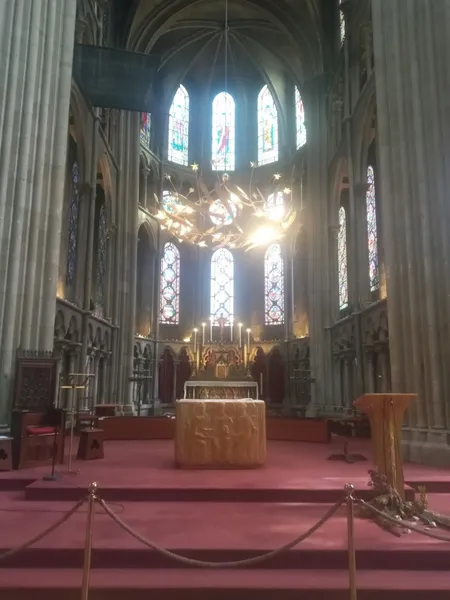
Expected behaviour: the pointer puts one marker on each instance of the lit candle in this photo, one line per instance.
(195, 339)
(210, 328)
(248, 339)
(240, 334)
(231, 329)
(203, 333)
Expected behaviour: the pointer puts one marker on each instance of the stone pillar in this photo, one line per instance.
(411, 47)
(36, 53)
(128, 198)
(316, 223)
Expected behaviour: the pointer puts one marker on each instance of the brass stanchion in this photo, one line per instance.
(349, 489)
(88, 541)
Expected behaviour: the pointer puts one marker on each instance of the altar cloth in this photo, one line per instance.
(219, 433)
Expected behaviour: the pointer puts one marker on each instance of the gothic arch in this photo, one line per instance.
(146, 256)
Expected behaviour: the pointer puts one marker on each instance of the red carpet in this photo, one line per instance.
(251, 512)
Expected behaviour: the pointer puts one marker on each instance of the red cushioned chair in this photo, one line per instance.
(36, 436)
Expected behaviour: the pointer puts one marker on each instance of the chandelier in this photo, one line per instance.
(226, 215)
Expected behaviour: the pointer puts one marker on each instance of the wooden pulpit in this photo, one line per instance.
(385, 412)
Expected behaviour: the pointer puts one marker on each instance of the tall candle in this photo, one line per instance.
(231, 329)
(248, 339)
(210, 328)
(260, 384)
(240, 334)
(195, 340)
(203, 333)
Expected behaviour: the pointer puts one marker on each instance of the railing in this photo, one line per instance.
(93, 497)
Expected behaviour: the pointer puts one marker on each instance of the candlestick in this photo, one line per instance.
(248, 339)
(210, 328)
(203, 333)
(195, 340)
(240, 334)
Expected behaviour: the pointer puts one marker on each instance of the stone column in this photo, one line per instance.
(36, 53)
(316, 223)
(128, 198)
(411, 49)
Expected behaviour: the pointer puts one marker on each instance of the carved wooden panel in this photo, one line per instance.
(35, 386)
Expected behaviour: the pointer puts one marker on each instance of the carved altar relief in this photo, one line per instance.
(220, 433)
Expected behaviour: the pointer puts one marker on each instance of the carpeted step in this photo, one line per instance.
(215, 532)
(223, 585)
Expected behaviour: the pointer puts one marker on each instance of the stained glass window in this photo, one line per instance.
(101, 257)
(223, 133)
(220, 214)
(146, 122)
(179, 127)
(342, 25)
(222, 286)
(300, 119)
(274, 206)
(267, 128)
(274, 285)
(169, 202)
(372, 237)
(170, 285)
(74, 209)
(342, 259)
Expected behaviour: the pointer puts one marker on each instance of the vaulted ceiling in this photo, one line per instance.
(266, 37)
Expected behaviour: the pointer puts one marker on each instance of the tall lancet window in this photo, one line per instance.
(72, 226)
(341, 25)
(342, 259)
(179, 127)
(372, 235)
(267, 128)
(101, 259)
(222, 287)
(169, 306)
(146, 121)
(223, 133)
(300, 119)
(274, 285)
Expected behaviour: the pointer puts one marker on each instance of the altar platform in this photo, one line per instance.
(217, 516)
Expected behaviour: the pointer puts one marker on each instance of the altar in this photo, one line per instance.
(220, 433)
(230, 390)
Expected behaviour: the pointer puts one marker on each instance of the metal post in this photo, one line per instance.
(349, 489)
(72, 417)
(88, 541)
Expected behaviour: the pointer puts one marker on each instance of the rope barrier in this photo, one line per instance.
(46, 532)
(222, 565)
(405, 524)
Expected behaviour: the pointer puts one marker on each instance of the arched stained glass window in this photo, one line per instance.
(146, 122)
(169, 202)
(267, 128)
(342, 259)
(300, 119)
(223, 133)
(222, 286)
(170, 285)
(274, 206)
(179, 127)
(74, 209)
(274, 285)
(372, 236)
(342, 25)
(101, 258)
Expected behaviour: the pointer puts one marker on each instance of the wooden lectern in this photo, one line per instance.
(385, 412)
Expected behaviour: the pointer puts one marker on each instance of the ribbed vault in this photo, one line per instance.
(266, 37)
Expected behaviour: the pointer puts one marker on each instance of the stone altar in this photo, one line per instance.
(218, 433)
(215, 389)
